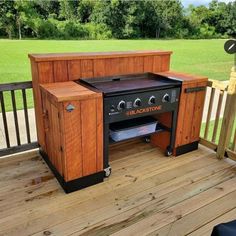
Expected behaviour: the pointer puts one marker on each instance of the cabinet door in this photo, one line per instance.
(190, 113)
(82, 135)
(71, 139)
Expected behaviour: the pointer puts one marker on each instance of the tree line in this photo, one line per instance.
(122, 19)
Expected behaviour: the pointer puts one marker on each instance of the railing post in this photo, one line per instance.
(229, 116)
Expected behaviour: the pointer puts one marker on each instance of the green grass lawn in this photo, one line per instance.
(203, 57)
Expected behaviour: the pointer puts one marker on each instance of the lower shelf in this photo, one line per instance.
(159, 128)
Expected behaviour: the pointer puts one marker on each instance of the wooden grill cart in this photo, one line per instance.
(69, 116)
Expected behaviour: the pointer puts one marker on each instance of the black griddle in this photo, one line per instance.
(113, 85)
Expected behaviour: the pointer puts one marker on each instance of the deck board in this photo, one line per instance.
(147, 194)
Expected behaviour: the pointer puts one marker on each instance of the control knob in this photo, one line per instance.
(166, 98)
(152, 100)
(137, 102)
(121, 105)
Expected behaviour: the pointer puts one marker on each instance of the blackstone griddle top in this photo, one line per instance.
(130, 83)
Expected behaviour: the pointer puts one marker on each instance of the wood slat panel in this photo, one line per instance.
(60, 71)
(188, 116)
(165, 63)
(139, 64)
(156, 64)
(26, 115)
(148, 64)
(99, 67)
(86, 68)
(112, 66)
(37, 104)
(74, 69)
(209, 113)
(181, 117)
(217, 117)
(127, 65)
(13, 101)
(88, 132)
(197, 113)
(56, 139)
(4, 119)
(234, 142)
(99, 106)
(47, 129)
(45, 72)
(71, 132)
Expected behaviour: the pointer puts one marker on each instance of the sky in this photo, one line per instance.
(200, 2)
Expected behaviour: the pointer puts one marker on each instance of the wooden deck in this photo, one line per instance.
(146, 194)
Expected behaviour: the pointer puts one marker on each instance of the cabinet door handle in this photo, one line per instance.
(194, 89)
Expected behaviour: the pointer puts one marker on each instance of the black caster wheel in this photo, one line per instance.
(168, 151)
(107, 172)
(147, 139)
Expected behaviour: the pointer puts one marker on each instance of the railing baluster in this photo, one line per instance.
(234, 142)
(15, 117)
(217, 116)
(26, 115)
(4, 118)
(209, 113)
(228, 118)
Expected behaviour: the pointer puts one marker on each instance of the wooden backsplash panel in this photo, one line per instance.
(60, 71)
(74, 69)
(50, 68)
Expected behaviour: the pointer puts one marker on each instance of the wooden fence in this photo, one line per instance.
(11, 88)
(225, 143)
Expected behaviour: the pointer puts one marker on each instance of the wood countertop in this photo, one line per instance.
(68, 91)
(95, 55)
(184, 77)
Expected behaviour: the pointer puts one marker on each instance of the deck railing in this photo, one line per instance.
(8, 99)
(221, 128)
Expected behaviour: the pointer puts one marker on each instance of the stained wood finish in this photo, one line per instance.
(71, 141)
(60, 71)
(74, 139)
(52, 68)
(190, 108)
(68, 91)
(146, 194)
(95, 55)
(184, 77)
(162, 140)
(89, 136)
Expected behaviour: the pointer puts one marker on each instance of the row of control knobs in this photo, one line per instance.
(138, 103)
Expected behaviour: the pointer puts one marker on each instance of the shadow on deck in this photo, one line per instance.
(147, 193)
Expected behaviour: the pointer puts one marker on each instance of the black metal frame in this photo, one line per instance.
(12, 87)
(172, 131)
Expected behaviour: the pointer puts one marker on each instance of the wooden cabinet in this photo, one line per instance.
(190, 112)
(73, 125)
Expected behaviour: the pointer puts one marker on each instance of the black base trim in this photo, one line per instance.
(76, 184)
(186, 148)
